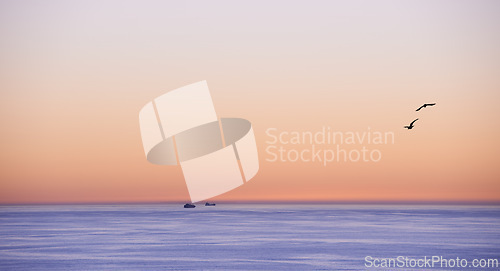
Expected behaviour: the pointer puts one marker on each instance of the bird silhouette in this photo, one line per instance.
(425, 105)
(411, 125)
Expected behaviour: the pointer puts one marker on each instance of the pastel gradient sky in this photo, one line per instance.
(74, 75)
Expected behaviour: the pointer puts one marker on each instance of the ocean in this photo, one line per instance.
(247, 237)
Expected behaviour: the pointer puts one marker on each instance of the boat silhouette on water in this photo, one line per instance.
(188, 205)
(209, 204)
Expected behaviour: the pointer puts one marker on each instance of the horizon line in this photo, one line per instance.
(345, 202)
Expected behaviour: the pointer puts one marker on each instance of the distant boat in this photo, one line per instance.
(209, 204)
(187, 205)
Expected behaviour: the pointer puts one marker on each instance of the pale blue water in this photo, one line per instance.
(240, 237)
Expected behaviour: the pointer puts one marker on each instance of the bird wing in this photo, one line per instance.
(430, 104)
(420, 107)
(413, 122)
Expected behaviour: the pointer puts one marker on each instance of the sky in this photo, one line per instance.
(74, 75)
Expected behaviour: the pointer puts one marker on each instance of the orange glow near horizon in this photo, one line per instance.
(73, 79)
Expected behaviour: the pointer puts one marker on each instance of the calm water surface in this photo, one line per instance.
(241, 237)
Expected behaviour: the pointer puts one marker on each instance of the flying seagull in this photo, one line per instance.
(411, 125)
(425, 105)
